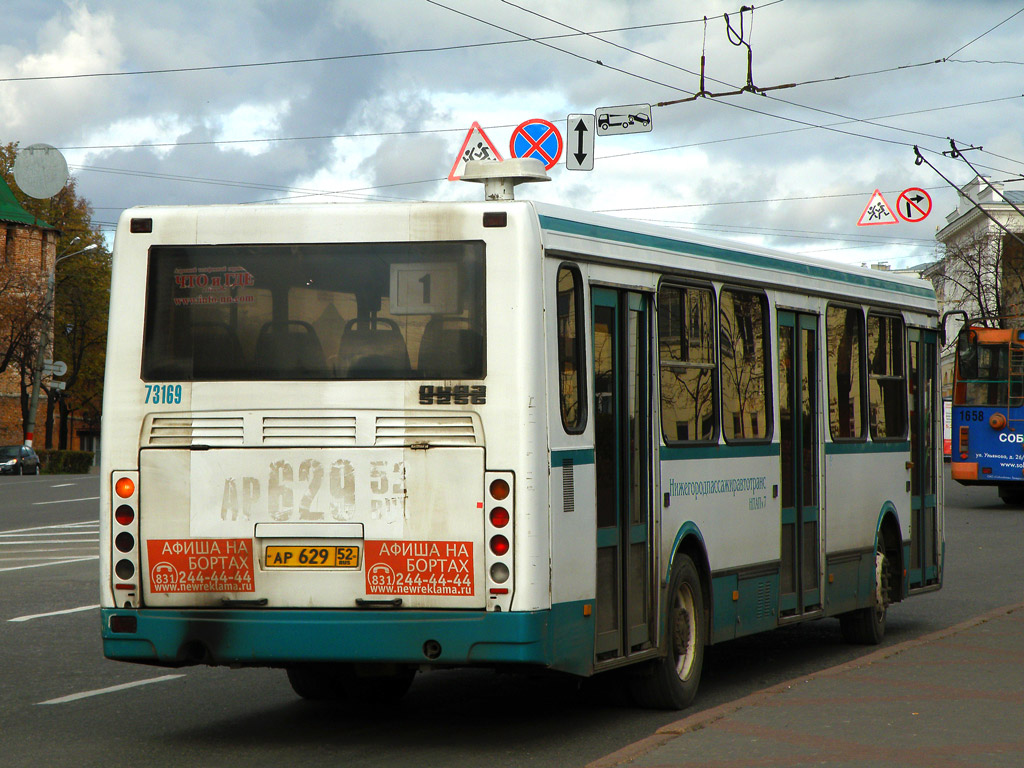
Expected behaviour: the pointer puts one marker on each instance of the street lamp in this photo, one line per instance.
(37, 374)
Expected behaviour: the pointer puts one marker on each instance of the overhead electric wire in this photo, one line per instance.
(846, 118)
(340, 57)
(972, 42)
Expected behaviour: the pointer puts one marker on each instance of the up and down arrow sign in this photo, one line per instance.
(579, 132)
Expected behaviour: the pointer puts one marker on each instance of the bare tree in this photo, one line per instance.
(983, 274)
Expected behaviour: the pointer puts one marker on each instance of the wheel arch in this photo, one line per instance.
(690, 542)
(888, 536)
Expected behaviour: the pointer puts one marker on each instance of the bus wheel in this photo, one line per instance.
(353, 684)
(671, 681)
(866, 626)
(1012, 495)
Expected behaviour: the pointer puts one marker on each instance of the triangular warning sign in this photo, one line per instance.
(476, 147)
(877, 212)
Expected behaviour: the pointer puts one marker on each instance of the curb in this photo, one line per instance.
(698, 720)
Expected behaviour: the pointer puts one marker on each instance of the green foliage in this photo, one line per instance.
(81, 301)
(65, 462)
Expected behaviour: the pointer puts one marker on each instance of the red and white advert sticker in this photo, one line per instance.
(200, 565)
(419, 568)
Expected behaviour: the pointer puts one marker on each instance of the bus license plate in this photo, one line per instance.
(311, 557)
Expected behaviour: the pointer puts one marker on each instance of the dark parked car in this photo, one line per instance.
(18, 460)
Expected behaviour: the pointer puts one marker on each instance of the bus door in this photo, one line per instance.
(799, 590)
(622, 442)
(924, 546)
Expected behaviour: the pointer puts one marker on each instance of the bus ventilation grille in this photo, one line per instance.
(434, 430)
(186, 430)
(764, 600)
(309, 430)
(568, 487)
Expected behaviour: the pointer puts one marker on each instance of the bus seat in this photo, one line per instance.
(449, 352)
(216, 351)
(289, 348)
(372, 346)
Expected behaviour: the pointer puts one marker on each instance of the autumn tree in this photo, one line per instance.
(79, 310)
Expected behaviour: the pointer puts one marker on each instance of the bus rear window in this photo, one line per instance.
(984, 375)
(315, 311)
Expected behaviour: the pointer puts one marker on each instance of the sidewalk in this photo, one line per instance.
(951, 698)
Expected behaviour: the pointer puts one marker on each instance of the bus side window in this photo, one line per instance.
(844, 332)
(886, 378)
(569, 322)
(686, 356)
(743, 341)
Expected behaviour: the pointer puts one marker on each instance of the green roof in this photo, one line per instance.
(11, 210)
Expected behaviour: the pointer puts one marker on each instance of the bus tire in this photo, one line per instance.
(671, 681)
(353, 684)
(866, 626)
(1012, 495)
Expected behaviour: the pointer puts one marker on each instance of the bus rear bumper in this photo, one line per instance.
(171, 637)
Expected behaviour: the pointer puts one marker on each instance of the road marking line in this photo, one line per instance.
(62, 485)
(55, 613)
(55, 562)
(50, 533)
(85, 546)
(111, 689)
(16, 546)
(65, 501)
(48, 527)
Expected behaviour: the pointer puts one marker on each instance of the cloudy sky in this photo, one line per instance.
(191, 102)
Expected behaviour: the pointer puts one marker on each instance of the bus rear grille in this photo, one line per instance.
(189, 430)
(309, 430)
(433, 430)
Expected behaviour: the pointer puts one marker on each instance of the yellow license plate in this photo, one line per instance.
(311, 557)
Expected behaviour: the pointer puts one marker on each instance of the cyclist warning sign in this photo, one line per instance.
(419, 568)
(200, 565)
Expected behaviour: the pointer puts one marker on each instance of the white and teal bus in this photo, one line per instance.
(358, 441)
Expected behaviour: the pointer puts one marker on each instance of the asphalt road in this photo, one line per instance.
(62, 704)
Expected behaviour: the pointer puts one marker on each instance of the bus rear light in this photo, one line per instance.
(499, 573)
(964, 441)
(986, 470)
(499, 490)
(499, 517)
(124, 487)
(123, 545)
(499, 545)
(997, 421)
(499, 510)
(124, 515)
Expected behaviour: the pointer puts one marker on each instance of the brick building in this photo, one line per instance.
(28, 248)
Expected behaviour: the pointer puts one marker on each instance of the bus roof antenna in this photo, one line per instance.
(500, 178)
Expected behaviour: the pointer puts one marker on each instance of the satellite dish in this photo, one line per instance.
(40, 171)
